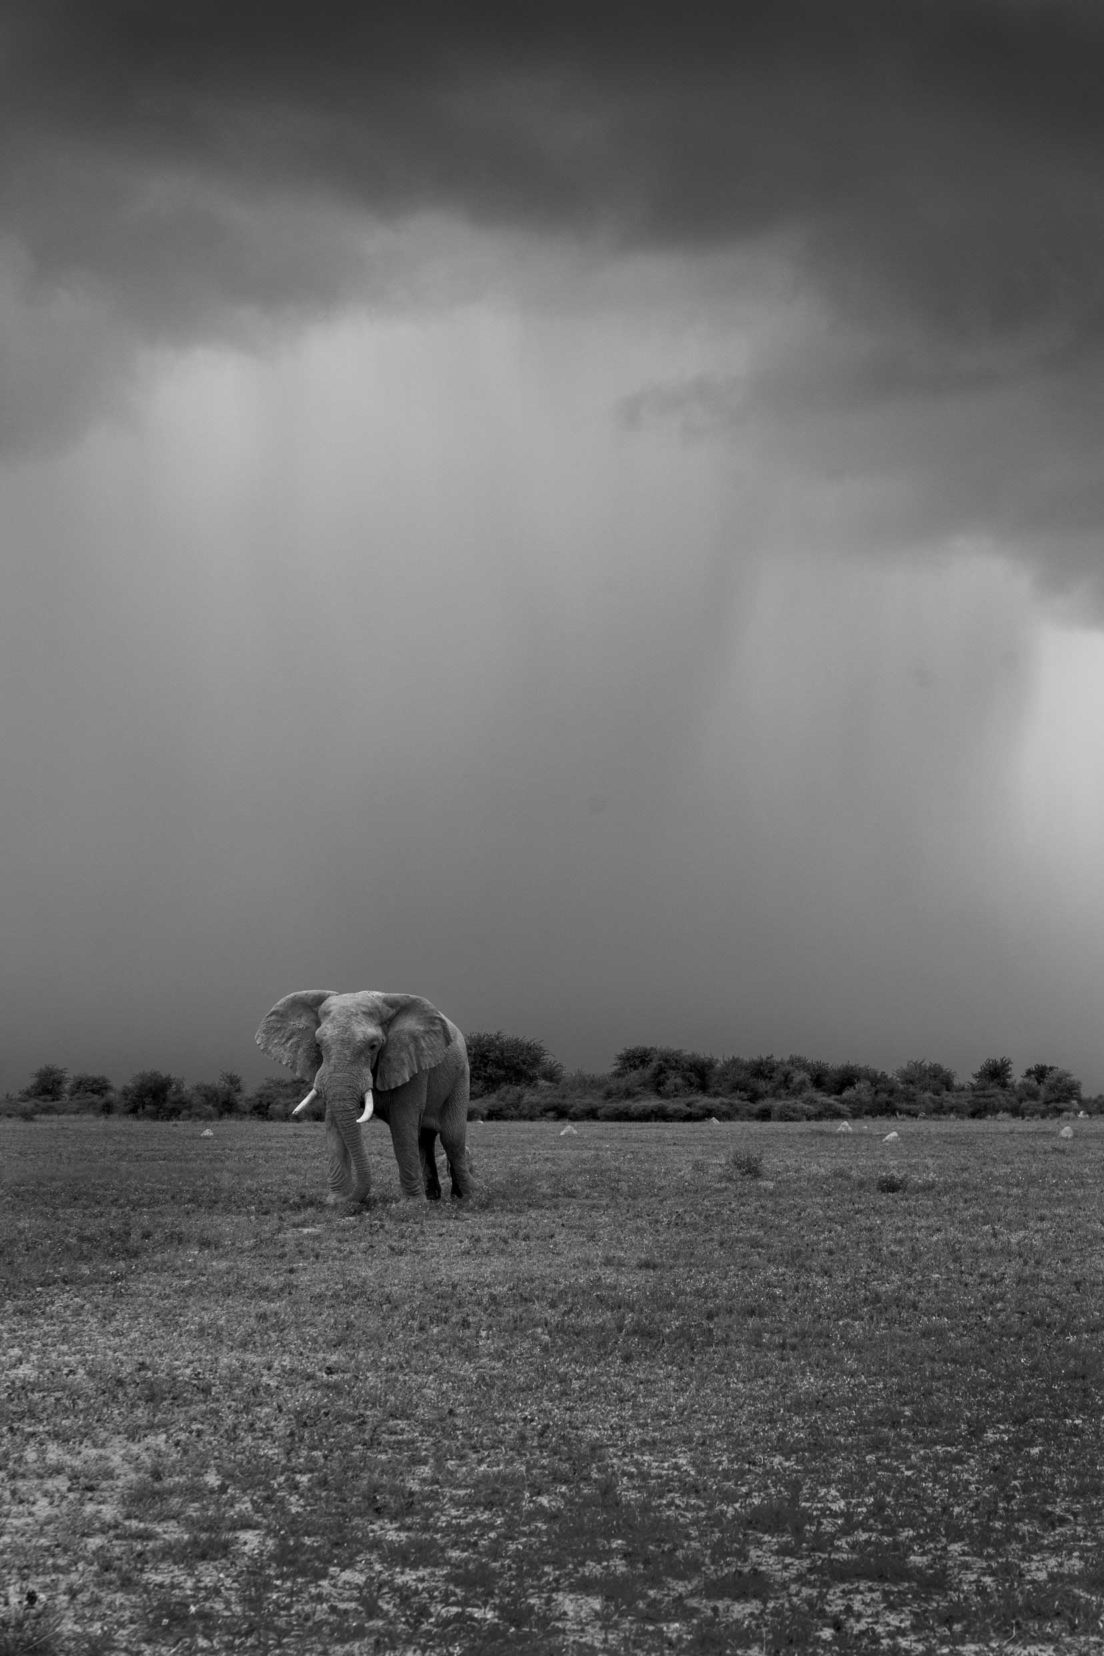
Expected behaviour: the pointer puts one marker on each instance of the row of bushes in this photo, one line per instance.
(152, 1095)
(518, 1104)
(652, 1083)
(518, 1079)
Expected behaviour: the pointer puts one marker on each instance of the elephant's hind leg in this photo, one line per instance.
(454, 1135)
(454, 1139)
(427, 1150)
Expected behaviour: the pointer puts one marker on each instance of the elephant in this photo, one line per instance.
(406, 1060)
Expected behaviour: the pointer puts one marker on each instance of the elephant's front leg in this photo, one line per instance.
(405, 1114)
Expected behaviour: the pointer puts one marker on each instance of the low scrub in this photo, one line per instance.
(709, 1411)
(515, 1078)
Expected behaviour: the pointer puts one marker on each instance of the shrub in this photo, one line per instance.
(863, 1078)
(633, 1084)
(673, 1086)
(508, 1104)
(737, 1109)
(90, 1103)
(219, 1098)
(792, 1109)
(582, 1084)
(499, 1060)
(22, 1109)
(85, 1085)
(984, 1101)
(39, 1107)
(633, 1058)
(232, 1088)
(744, 1164)
(510, 1097)
(669, 1072)
(752, 1078)
(921, 1075)
(276, 1097)
(1060, 1087)
(618, 1110)
(994, 1072)
(155, 1094)
(47, 1083)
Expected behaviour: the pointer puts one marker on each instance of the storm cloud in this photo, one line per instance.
(938, 162)
(560, 508)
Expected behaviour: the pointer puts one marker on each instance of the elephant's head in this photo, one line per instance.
(348, 1045)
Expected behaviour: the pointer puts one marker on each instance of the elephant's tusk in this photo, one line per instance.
(368, 1107)
(310, 1098)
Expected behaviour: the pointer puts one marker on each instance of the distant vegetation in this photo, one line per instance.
(517, 1079)
(652, 1083)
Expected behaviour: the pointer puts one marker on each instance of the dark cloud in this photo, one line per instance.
(943, 155)
(893, 443)
(923, 179)
(394, 659)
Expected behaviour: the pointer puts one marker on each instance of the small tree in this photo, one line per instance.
(633, 1058)
(744, 1077)
(47, 1083)
(669, 1070)
(276, 1097)
(230, 1089)
(499, 1060)
(153, 1093)
(921, 1075)
(1060, 1087)
(85, 1085)
(221, 1097)
(994, 1072)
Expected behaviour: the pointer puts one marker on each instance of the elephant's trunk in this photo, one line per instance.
(348, 1172)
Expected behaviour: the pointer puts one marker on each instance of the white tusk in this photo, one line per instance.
(368, 1107)
(310, 1098)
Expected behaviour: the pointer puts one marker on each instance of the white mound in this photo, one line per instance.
(890, 1137)
(844, 1127)
(1067, 1132)
(568, 1130)
(206, 1133)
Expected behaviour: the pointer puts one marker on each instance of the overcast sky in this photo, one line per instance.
(589, 513)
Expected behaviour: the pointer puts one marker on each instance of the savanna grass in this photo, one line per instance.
(634, 1397)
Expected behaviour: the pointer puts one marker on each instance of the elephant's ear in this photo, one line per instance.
(417, 1039)
(287, 1033)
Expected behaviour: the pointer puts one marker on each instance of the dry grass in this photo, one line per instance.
(633, 1399)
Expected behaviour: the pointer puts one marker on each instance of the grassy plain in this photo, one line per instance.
(702, 1388)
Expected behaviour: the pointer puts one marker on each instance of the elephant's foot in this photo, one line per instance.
(353, 1203)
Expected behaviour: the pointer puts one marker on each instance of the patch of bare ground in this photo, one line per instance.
(634, 1398)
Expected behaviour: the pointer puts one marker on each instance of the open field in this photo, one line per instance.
(634, 1398)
